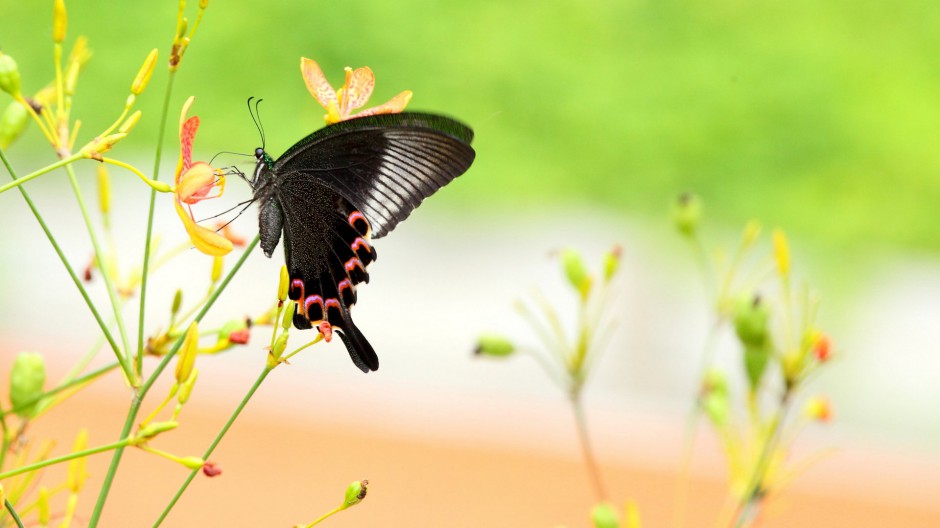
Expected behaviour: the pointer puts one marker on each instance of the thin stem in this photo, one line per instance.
(71, 383)
(212, 446)
(138, 399)
(323, 517)
(155, 185)
(149, 236)
(16, 518)
(68, 267)
(103, 264)
(48, 168)
(65, 458)
(589, 461)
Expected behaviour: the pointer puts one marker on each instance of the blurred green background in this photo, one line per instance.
(819, 116)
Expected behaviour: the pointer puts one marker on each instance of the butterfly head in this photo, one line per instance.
(264, 163)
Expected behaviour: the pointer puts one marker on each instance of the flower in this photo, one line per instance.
(357, 89)
(194, 183)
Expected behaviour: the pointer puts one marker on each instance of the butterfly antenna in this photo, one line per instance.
(246, 203)
(256, 120)
(229, 152)
(260, 125)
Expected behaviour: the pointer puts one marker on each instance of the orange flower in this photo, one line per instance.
(194, 183)
(357, 89)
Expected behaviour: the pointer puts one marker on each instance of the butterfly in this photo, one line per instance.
(339, 188)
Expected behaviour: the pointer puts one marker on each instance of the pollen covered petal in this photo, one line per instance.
(197, 182)
(357, 90)
(393, 106)
(204, 239)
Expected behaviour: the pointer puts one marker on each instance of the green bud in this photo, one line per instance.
(177, 302)
(751, 316)
(686, 213)
(612, 262)
(355, 493)
(288, 318)
(604, 516)
(192, 462)
(494, 345)
(576, 271)
(756, 359)
(234, 325)
(12, 123)
(151, 430)
(186, 389)
(274, 355)
(27, 378)
(9, 75)
(715, 399)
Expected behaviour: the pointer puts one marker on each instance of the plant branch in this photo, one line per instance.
(16, 518)
(65, 458)
(48, 168)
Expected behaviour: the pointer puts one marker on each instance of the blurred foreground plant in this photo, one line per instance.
(26, 496)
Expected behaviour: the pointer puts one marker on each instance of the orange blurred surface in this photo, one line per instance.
(282, 467)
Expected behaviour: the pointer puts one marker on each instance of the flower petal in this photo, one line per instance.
(187, 135)
(197, 181)
(205, 240)
(357, 89)
(316, 82)
(393, 106)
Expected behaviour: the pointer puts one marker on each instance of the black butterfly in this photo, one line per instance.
(337, 188)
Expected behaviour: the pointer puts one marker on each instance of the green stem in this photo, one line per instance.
(68, 267)
(103, 264)
(71, 383)
(212, 446)
(16, 518)
(589, 461)
(138, 399)
(48, 168)
(323, 517)
(65, 458)
(149, 236)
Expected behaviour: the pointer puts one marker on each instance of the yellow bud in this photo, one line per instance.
(355, 493)
(104, 189)
(633, 515)
(687, 212)
(751, 232)
(3, 495)
(100, 145)
(9, 75)
(192, 462)
(186, 389)
(129, 123)
(283, 284)
(177, 302)
(13, 123)
(576, 271)
(203, 4)
(288, 315)
(494, 346)
(818, 408)
(217, 263)
(151, 430)
(42, 506)
(781, 252)
(71, 77)
(77, 473)
(146, 70)
(60, 21)
(612, 262)
(187, 353)
(274, 356)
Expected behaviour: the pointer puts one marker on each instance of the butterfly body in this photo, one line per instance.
(337, 189)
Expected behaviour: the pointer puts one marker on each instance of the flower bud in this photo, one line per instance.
(283, 284)
(612, 262)
(288, 316)
(27, 378)
(151, 430)
(355, 493)
(686, 213)
(129, 123)
(187, 353)
(274, 355)
(756, 359)
(13, 123)
(751, 321)
(100, 145)
(604, 516)
(781, 252)
(42, 506)
(715, 399)
(818, 408)
(177, 302)
(9, 75)
(192, 462)
(493, 345)
(77, 473)
(633, 515)
(71, 78)
(143, 75)
(104, 189)
(211, 469)
(576, 271)
(60, 21)
(822, 348)
(186, 389)
(751, 233)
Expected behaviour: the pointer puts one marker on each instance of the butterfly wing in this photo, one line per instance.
(327, 252)
(384, 165)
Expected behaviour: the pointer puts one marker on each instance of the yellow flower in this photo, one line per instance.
(357, 89)
(194, 183)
